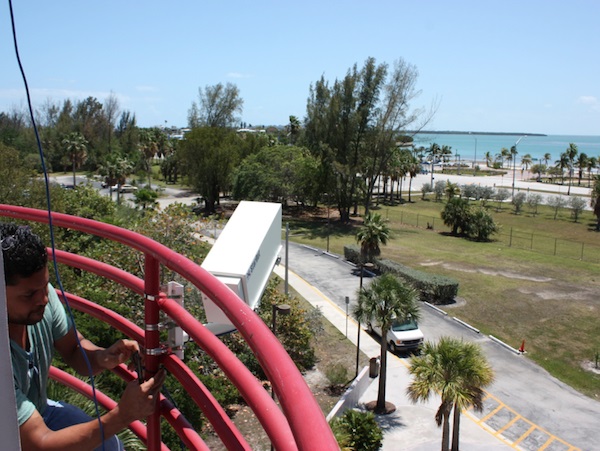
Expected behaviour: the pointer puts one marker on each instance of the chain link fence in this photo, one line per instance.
(511, 237)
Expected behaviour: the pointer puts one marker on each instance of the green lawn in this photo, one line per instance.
(547, 296)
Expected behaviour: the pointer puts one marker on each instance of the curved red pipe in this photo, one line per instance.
(106, 402)
(216, 415)
(306, 420)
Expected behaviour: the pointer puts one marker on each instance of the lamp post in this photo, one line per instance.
(327, 195)
(282, 309)
(475, 159)
(347, 301)
(514, 152)
(287, 241)
(360, 289)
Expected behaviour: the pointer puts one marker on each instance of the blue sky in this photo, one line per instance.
(510, 66)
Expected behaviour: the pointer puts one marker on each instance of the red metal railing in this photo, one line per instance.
(299, 424)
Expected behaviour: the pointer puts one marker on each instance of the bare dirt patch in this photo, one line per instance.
(549, 289)
(488, 271)
(590, 366)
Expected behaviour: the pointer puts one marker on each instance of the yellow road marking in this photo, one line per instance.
(507, 425)
(529, 431)
(492, 413)
(547, 444)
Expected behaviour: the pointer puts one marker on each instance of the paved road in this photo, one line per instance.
(526, 408)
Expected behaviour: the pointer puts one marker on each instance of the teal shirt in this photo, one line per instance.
(30, 369)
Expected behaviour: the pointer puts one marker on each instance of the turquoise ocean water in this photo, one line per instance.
(468, 144)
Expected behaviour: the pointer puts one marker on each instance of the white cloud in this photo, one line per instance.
(588, 100)
(238, 75)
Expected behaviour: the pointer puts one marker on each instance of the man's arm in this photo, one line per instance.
(138, 402)
(100, 358)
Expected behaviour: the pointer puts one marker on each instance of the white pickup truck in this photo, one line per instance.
(402, 336)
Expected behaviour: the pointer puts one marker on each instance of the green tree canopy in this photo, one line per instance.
(218, 106)
(209, 155)
(277, 174)
(352, 126)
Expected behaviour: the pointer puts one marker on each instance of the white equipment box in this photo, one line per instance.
(243, 257)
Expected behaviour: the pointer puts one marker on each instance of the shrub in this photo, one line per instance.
(518, 200)
(577, 205)
(482, 225)
(431, 287)
(357, 430)
(457, 215)
(337, 374)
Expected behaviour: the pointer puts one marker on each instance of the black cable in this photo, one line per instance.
(50, 224)
(167, 394)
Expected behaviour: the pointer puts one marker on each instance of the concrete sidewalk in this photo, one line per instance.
(410, 427)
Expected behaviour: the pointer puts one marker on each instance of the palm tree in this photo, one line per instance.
(414, 168)
(592, 164)
(115, 169)
(596, 201)
(561, 164)
(581, 163)
(547, 158)
(512, 158)
(293, 129)
(386, 300)
(488, 158)
(458, 371)
(446, 153)
(148, 147)
(75, 147)
(374, 232)
(452, 189)
(504, 155)
(457, 215)
(434, 154)
(571, 153)
(476, 374)
(526, 160)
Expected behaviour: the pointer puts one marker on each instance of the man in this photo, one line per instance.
(37, 326)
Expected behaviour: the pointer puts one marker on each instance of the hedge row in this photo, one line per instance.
(432, 288)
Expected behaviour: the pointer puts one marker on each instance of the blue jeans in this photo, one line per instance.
(59, 415)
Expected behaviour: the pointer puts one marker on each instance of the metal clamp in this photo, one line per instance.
(157, 351)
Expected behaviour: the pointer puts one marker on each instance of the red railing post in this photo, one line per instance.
(153, 349)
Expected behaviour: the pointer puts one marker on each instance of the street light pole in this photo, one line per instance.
(360, 289)
(327, 222)
(287, 254)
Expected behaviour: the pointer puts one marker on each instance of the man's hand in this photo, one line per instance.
(119, 352)
(139, 400)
